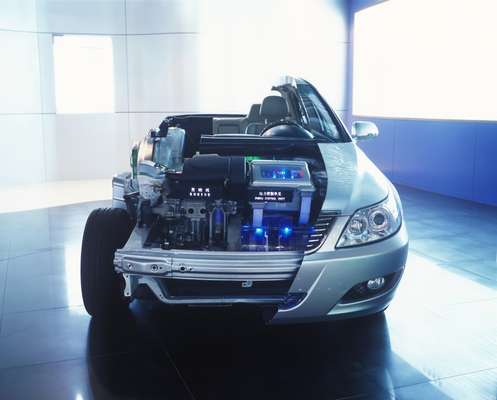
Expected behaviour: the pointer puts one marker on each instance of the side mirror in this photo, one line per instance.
(364, 130)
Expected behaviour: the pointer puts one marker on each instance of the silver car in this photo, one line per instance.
(278, 209)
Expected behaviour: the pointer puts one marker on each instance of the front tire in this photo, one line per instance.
(106, 230)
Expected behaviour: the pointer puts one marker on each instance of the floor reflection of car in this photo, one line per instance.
(278, 208)
(212, 354)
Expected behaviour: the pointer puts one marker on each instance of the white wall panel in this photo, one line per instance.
(45, 46)
(120, 74)
(81, 16)
(163, 73)
(21, 149)
(332, 15)
(89, 146)
(160, 16)
(18, 15)
(160, 67)
(246, 46)
(50, 147)
(329, 74)
(141, 123)
(19, 73)
(232, 84)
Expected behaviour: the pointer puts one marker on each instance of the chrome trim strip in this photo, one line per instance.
(204, 265)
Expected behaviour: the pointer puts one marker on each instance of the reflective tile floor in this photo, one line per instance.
(438, 339)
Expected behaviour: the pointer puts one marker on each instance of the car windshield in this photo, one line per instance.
(316, 116)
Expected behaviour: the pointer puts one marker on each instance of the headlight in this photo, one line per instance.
(373, 223)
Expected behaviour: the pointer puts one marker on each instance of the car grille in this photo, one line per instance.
(203, 288)
(321, 228)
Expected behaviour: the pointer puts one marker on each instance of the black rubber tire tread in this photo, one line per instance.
(106, 230)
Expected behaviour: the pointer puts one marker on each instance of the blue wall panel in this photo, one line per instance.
(485, 182)
(435, 156)
(456, 158)
(381, 149)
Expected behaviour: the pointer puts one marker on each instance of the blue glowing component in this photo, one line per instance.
(286, 231)
(259, 231)
(281, 173)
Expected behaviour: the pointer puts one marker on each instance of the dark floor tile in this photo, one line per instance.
(484, 268)
(4, 245)
(43, 336)
(425, 391)
(54, 335)
(477, 322)
(429, 283)
(441, 324)
(43, 280)
(32, 265)
(43, 234)
(133, 375)
(67, 236)
(423, 230)
(228, 354)
(443, 248)
(439, 349)
(438, 323)
(3, 279)
(68, 221)
(480, 385)
(29, 243)
(42, 292)
(471, 276)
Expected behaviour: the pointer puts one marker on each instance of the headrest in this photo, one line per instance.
(254, 113)
(274, 107)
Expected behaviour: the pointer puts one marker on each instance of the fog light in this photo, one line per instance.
(371, 288)
(376, 283)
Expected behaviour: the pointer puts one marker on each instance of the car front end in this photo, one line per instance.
(329, 281)
(293, 218)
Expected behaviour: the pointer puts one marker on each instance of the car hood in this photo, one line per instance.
(353, 180)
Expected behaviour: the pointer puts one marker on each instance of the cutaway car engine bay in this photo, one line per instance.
(221, 200)
(263, 209)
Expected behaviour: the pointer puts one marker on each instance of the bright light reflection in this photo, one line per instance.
(426, 59)
(436, 301)
(246, 46)
(72, 276)
(84, 74)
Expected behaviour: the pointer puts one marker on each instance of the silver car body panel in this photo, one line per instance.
(328, 274)
(353, 180)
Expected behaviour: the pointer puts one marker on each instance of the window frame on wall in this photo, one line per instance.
(413, 59)
(83, 74)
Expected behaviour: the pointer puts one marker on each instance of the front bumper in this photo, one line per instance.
(319, 280)
(328, 274)
(215, 277)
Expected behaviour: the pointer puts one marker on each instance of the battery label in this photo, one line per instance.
(275, 196)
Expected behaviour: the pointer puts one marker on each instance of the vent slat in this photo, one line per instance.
(323, 224)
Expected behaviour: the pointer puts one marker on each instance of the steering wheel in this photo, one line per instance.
(286, 129)
(278, 123)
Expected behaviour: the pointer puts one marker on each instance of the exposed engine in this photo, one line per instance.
(213, 202)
